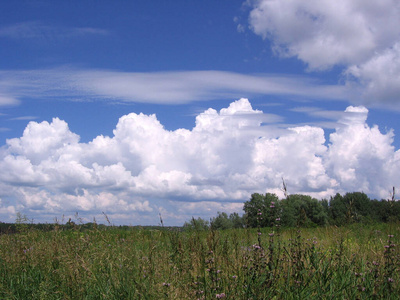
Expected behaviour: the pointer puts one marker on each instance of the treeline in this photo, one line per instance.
(11, 228)
(303, 211)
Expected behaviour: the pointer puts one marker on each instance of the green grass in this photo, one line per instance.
(320, 263)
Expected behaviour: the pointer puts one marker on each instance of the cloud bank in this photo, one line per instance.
(144, 169)
(363, 37)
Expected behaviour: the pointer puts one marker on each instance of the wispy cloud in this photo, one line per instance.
(24, 118)
(320, 117)
(318, 112)
(159, 87)
(10, 99)
(38, 30)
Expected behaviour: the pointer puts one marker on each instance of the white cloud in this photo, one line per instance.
(41, 140)
(144, 169)
(8, 100)
(40, 31)
(361, 36)
(379, 77)
(324, 33)
(157, 87)
(362, 157)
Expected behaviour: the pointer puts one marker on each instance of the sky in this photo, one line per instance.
(137, 109)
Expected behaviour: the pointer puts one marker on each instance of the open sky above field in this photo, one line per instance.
(185, 108)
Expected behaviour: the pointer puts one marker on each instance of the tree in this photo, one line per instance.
(261, 210)
(196, 224)
(337, 210)
(221, 222)
(302, 210)
(237, 221)
(358, 206)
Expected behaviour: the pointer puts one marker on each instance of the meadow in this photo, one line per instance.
(106, 262)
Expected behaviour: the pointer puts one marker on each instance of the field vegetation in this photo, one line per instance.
(257, 256)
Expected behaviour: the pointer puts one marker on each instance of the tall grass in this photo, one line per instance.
(352, 262)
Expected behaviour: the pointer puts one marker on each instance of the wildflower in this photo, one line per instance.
(220, 296)
(271, 234)
(390, 235)
(166, 284)
(390, 280)
(234, 276)
(260, 213)
(278, 219)
(259, 233)
(219, 271)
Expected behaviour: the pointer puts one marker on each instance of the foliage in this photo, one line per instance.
(222, 221)
(349, 262)
(237, 221)
(196, 224)
(304, 211)
(260, 210)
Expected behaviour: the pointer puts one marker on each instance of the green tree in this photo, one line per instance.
(221, 221)
(354, 207)
(261, 210)
(196, 224)
(337, 210)
(237, 221)
(358, 206)
(302, 210)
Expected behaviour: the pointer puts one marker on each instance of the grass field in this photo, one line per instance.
(352, 262)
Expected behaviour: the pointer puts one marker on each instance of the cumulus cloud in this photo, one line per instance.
(144, 169)
(361, 36)
(379, 77)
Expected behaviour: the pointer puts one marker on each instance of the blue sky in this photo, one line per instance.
(185, 108)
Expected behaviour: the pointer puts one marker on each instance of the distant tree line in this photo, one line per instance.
(266, 210)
